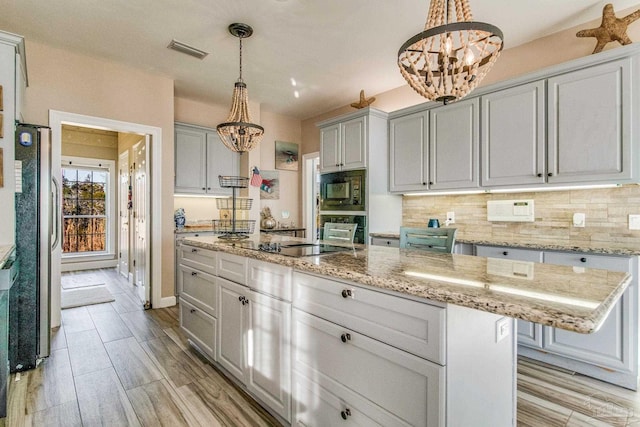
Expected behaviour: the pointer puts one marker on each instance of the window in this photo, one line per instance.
(85, 219)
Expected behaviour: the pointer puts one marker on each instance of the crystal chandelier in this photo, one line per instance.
(238, 133)
(452, 55)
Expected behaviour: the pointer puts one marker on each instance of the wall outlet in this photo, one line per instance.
(502, 328)
(451, 217)
(578, 219)
(634, 222)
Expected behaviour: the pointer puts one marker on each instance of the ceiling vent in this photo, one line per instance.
(186, 49)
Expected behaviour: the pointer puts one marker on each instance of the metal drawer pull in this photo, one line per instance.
(193, 310)
(583, 259)
(345, 414)
(194, 250)
(346, 293)
(505, 253)
(193, 273)
(345, 337)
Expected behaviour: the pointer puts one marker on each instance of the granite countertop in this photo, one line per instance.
(5, 251)
(574, 299)
(531, 245)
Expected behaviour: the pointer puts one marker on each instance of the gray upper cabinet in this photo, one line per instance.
(409, 152)
(453, 145)
(343, 146)
(590, 124)
(200, 157)
(513, 136)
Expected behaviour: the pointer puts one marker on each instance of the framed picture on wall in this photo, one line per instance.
(287, 155)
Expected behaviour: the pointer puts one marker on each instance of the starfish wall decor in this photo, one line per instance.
(364, 102)
(611, 29)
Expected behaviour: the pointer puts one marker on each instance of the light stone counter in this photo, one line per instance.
(5, 251)
(567, 298)
(594, 249)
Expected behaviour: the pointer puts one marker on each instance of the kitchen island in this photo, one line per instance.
(376, 334)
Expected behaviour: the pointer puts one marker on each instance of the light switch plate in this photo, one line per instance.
(578, 219)
(634, 222)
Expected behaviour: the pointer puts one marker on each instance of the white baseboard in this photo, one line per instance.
(131, 279)
(167, 302)
(88, 265)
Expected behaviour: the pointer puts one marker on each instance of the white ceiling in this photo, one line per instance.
(332, 48)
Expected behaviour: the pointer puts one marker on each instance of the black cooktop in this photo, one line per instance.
(302, 249)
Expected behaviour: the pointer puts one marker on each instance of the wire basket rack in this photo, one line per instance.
(241, 203)
(233, 181)
(230, 229)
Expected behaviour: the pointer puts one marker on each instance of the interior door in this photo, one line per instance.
(141, 223)
(123, 208)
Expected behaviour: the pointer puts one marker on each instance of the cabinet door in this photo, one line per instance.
(513, 136)
(191, 160)
(614, 345)
(590, 124)
(529, 333)
(453, 146)
(411, 388)
(330, 148)
(268, 352)
(231, 329)
(353, 135)
(409, 152)
(220, 161)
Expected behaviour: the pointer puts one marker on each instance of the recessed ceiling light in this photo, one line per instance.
(296, 94)
(293, 82)
(186, 49)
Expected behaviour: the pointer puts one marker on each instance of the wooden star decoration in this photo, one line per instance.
(611, 29)
(364, 102)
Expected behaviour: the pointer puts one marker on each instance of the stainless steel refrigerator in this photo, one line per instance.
(29, 299)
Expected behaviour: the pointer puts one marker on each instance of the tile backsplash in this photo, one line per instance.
(606, 211)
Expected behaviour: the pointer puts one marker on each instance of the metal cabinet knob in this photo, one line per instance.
(583, 259)
(424, 183)
(505, 253)
(203, 188)
(194, 250)
(549, 174)
(345, 337)
(193, 310)
(193, 273)
(346, 293)
(430, 182)
(345, 414)
(539, 175)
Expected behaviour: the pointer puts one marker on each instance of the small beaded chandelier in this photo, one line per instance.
(238, 133)
(452, 55)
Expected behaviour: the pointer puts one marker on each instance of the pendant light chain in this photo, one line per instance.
(240, 78)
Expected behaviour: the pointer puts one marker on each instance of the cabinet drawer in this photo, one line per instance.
(272, 279)
(409, 325)
(199, 327)
(509, 253)
(198, 258)
(316, 406)
(392, 243)
(398, 382)
(200, 287)
(577, 259)
(232, 267)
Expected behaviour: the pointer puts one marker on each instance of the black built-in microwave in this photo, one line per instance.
(343, 191)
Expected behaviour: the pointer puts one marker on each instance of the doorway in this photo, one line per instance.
(311, 195)
(150, 260)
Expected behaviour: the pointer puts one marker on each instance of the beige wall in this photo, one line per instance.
(77, 143)
(65, 81)
(544, 52)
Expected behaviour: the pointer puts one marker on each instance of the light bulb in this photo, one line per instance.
(448, 44)
(469, 57)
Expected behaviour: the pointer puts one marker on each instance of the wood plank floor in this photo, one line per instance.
(115, 364)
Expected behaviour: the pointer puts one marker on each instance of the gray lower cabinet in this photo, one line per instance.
(198, 289)
(179, 237)
(609, 354)
(254, 333)
(386, 241)
(514, 262)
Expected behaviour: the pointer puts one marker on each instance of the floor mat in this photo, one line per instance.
(88, 295)
(72, 281)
